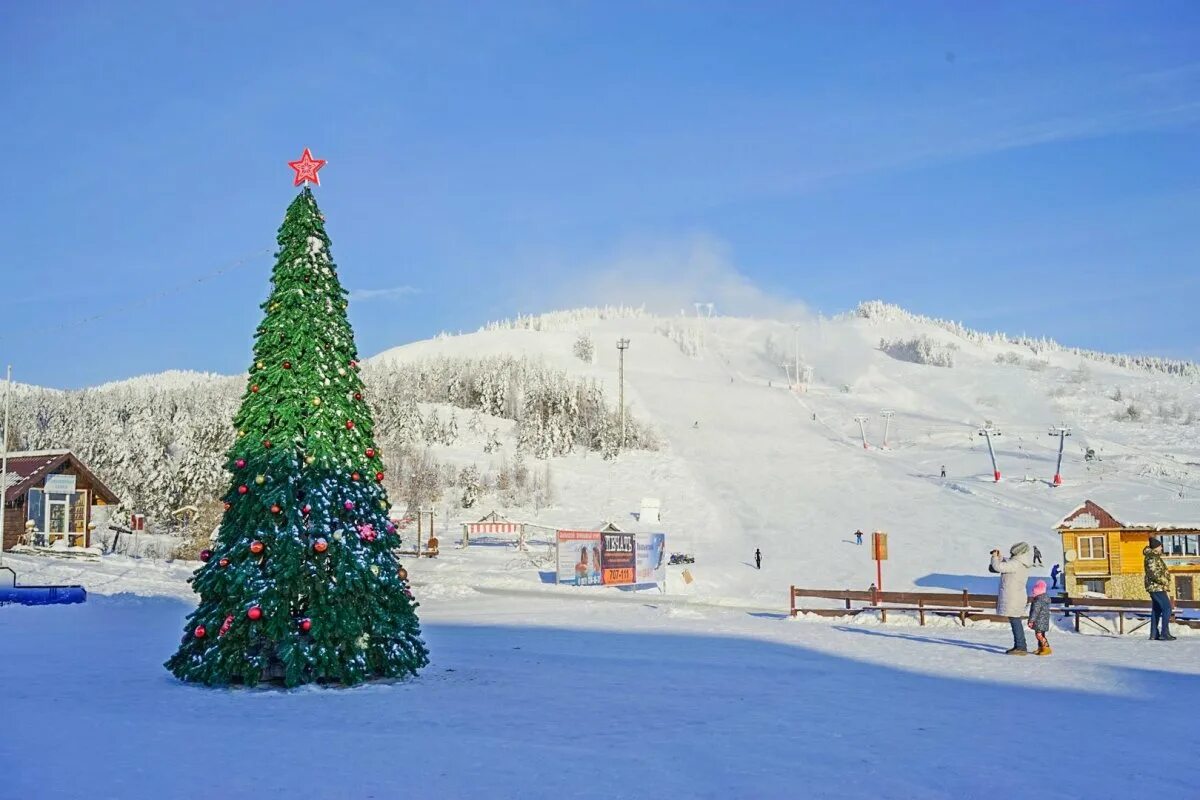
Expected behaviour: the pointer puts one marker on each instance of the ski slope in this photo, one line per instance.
(749, 463)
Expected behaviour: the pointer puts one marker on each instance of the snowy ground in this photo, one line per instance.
(706, 690)
(569, 696)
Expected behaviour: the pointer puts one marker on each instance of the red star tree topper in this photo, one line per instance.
(306, 168)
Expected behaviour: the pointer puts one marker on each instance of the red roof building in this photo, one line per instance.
(56, 492)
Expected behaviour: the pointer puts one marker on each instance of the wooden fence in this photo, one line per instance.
(1097, 612)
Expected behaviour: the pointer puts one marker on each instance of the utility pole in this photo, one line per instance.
(622, 346)
(1062, 432)
(887, 420)
(987, 432)
(862, 420)
(4, 461)
(796, 329)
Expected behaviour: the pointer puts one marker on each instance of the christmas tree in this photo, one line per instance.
(302, 585)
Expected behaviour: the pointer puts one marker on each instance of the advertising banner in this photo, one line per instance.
(592, 558)
(579, 558)
(651, 558)
(619, 559)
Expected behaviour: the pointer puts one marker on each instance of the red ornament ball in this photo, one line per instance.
(205, 555)
(224, 562)
(241, 462)
(354, 476)
(349, 424)
(402, 574)
(243, 489)
(287, 365)
(267, 443)
(256, 547)
(379, 477)
(254, 612)
(320, 545)
(348, 505)
(200, 633)
(254, 388)
(354, 363)
(358, 395)
(275, 509)
(306, 510)
(370, 452)
(306, 625)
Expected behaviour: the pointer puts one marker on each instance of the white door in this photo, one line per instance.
(57, 519)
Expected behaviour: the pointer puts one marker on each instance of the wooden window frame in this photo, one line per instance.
(1079, 540)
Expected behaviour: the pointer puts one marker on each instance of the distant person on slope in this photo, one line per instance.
(858, 537)
(1054, 573)
(943, 470)
(1037, 556)
(1158, 584)
(1011, 600)
(1039, 617)
(757, 558)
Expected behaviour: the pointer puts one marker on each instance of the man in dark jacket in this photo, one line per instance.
(757, 558)
(1158, 584)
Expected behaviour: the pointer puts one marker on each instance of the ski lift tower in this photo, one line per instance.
(862, 420)
(1062, 432)
(987, 432)
(887, 415)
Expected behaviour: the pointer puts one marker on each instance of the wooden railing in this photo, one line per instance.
(965, 605)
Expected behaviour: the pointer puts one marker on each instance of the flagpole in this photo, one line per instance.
(4, 462)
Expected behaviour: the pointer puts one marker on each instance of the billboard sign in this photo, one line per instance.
(595, 558)
(651, 558)
(619, 559)
(579, 558)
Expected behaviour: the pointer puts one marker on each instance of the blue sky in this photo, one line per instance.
(1029, 167)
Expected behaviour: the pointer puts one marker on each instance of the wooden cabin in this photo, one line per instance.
(57, 493)
(1103, 555)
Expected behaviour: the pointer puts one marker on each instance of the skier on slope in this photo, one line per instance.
(757, 558)
(858, 537)
(1037, 556)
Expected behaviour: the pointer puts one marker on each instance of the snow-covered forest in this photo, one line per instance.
(159, 441)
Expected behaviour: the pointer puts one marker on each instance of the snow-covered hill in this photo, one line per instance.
(751, 463)
(746, 461)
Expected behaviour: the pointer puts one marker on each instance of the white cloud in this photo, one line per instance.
(392, 293)
(667, 277)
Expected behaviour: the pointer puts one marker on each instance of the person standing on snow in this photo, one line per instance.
(943, 470)
(858, 537)
(1011, 599)
(757, 558)
(1158, 584)
(1054, 573)
(1039, 617)
(1037, 556)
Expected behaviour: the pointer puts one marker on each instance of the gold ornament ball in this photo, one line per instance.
(374, 569)
(259, 365)
(260, 479)
(309, 459)
(316, 401)
(341, 371)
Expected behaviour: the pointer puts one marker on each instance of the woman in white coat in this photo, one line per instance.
(1014, 594)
